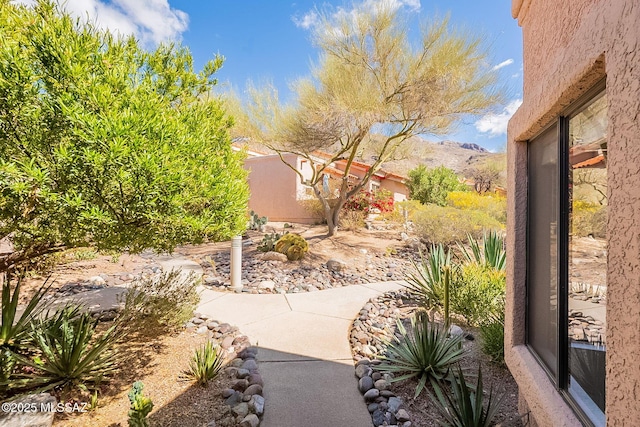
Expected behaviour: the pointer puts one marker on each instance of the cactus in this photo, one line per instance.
(256, 222)
(268, 242)
(293, 246)
(140, 406)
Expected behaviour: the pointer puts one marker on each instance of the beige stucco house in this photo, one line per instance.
(572, 328)
(280, 194)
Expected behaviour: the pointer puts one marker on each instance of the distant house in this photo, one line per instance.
(280, 194)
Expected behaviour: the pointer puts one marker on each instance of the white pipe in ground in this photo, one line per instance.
(236, 263)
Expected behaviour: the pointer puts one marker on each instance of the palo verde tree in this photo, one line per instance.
(103, 143)
(371, 80)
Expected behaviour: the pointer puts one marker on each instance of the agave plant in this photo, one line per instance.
(206, 363)
(492, 254)
(464, 405)
(69, 354)
(426, 352)
(15, 330)
(426, 282)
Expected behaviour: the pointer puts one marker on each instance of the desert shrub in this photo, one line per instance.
(589, 219)
(352, 220)
(492, 335)
(314, 208)
(380, 200)
(463, 404)
(425, 352)
(446, 225)
(477, 292)
(165, 300)
(433, 185)
(140, 406)
(67, 354)
(293, 246)
(402, 211)
(493, 205)
(206, 363)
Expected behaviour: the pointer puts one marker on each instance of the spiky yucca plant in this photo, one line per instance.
(492, 254)
(426, 352)
(206, 363)
(464, 405)
(68, 353)
(14, 330)
(426, 282)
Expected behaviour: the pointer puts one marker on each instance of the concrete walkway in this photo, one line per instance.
(305, 356)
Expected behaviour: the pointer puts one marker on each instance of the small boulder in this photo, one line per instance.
(240, 410)
(256, 404)
(372, 394)
(267, 284)
(402, 416)
(250, 420)
(336, 265)
(253, 389)
(365, 384)
(274, 256)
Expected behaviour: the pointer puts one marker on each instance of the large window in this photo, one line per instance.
(566, 269)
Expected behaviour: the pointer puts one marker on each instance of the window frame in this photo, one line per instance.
(561, 378)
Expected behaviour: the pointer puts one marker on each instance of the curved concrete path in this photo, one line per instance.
(305, 356)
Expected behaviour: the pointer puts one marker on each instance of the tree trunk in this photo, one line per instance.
(11, 261)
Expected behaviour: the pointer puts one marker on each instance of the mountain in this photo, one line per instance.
(462, 157)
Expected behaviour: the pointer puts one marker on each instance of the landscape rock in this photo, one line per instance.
(336, 265)
(241, 409)
(253, 389)
(371, 394)
(362, 371)
(394, 404)
(402, 415)
(365, 384)
(240, 385)
(256, 404)
(456, 331)
(274, 256)
(250, 420)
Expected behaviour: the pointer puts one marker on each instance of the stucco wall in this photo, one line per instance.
(399, 191)
(275, 189)
(568, 47)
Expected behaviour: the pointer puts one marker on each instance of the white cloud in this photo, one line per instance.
(503, 64)
(311, 19)
(496, 124)
(151, 21)
(308, 20)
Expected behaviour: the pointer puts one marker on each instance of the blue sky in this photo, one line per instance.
(267, 40)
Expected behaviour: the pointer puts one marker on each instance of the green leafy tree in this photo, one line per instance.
(370, 80)
(433, 185)
(103, 143)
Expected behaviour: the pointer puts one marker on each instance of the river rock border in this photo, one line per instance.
(245, 397)
(270, 273)
(374, 326)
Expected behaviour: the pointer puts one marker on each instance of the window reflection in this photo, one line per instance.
(588, 257)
